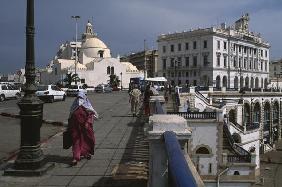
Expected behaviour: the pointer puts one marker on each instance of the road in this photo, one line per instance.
(57, 111)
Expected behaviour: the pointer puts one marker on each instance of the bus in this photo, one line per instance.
(157, 82)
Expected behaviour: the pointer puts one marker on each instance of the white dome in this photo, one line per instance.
(94, 43)
(92, 48)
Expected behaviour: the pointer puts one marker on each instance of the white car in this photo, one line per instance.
(8, 91)
(74, 89)
(50, 93)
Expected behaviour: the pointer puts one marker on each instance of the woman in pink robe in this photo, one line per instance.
(81, 119)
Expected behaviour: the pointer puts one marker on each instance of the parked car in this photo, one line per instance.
(8, 91)
(50, 93)
(74, 89)
(104, 88)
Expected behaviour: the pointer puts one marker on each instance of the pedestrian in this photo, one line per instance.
(80, 124)
(146, 102)
(188, 105)
(169, 88)
(134, 99)
(166, 92)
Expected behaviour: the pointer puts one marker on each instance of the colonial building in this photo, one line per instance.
(231, 57)
(138, 60)
(94, 64)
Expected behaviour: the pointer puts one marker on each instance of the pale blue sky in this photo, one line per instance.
(124, 24)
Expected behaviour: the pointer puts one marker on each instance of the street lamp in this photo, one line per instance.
(121, 80)
(75, 63)
(30, 159)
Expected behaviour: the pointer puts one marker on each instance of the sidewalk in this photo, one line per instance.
(121, 158)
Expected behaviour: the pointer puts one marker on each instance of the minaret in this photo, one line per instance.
(89, 33)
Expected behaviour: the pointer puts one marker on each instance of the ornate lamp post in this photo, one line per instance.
(75, 63)
(30, 160)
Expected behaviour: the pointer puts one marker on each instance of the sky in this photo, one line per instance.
(124, 24)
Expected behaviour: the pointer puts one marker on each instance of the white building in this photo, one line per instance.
(230, 57)
(94, 64)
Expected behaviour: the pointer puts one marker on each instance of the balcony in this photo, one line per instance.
(195, 115)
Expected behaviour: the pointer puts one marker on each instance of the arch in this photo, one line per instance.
(247, 112)
(265, 83)
(202, 150)
(257, 113)
(252, 82)
(236, 173)
(236, 137)
(101, 53)
(218, 82)
(232, 115)
(236, 82)
(266, 123)
(112, 70)
(241, 82)
(247, 81)
(257, 82)
(108, 70)
(224, 81)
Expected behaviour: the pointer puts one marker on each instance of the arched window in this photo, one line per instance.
(112, 70)
(224, 81)
(108, 70)
(218, 81)
(202, 150)
(236, 173)
(101, 53)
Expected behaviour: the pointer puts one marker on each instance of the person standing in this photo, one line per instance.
(146, 102)
(134, 99)
(80, 124)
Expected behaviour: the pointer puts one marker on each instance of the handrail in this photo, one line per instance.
(238, 149)
(234, 123)
(202, 97)
(179, 171)
(195, 115)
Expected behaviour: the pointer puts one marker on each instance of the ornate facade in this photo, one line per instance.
(231, 57)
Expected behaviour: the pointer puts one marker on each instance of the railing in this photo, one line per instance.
(201, 97)
(252, 126)
(195, 115)
(179, 172)
(238, 158)
(239, 150)
(234, 123)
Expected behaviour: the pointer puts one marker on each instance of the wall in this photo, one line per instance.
(204, 133)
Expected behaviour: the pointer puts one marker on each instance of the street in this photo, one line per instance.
(57, 111)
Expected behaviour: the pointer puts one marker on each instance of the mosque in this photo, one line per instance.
(94, 62)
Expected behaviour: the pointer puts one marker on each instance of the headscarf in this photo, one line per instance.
(82, 100)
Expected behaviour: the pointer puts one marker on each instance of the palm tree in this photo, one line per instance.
(114, 81)
(71, 78)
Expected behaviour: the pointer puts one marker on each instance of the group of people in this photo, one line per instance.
(135, 99)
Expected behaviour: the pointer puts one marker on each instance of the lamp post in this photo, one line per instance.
(30, 159)
(75, 63)
(121, 80)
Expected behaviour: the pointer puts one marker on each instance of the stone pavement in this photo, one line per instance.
(121, 156)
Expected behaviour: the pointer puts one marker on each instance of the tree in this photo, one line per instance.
(114, 81)
(71, 78)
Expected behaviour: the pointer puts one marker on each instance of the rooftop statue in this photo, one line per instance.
(242, 24)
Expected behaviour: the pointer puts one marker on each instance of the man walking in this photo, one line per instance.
(134, 99)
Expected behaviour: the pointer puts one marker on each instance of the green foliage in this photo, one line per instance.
(71, 78)
(114, 81)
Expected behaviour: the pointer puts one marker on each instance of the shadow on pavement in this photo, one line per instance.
(132, 170)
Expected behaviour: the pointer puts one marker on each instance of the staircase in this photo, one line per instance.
(232, 149)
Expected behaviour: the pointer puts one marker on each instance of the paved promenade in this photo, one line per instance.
(121, 152)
